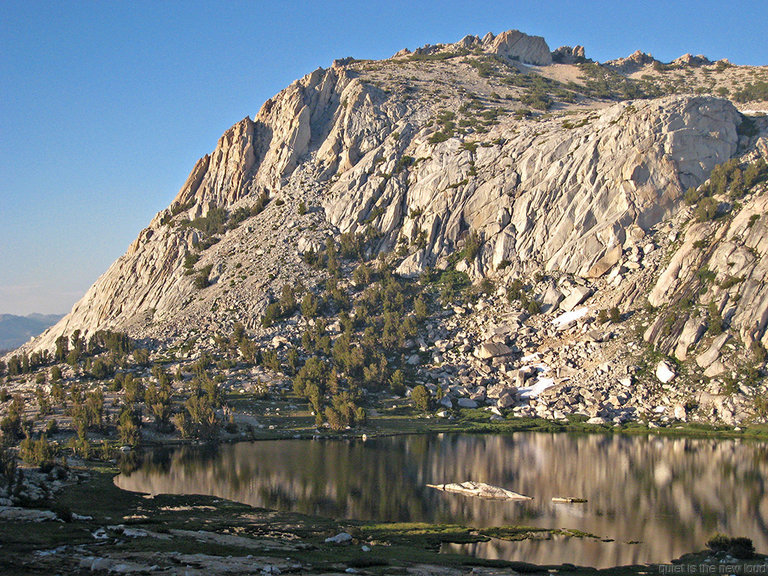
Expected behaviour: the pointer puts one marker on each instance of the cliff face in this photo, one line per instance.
(541, 195)
(420, 152)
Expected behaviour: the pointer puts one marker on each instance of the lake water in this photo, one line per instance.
(670, 495)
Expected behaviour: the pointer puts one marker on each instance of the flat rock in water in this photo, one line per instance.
(480, 490)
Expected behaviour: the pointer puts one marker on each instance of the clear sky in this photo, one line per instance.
(105, 106)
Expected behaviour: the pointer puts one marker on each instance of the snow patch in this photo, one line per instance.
(569, 318)
(538, 387)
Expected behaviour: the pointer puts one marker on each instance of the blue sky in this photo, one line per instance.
(105, 106)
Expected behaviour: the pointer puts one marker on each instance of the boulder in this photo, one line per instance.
(340, 538)
(15, 514)
(665, 372)
(505, 401)
(713, 352)
(568, 54)
(608, 261)
(413, 265)
(715, 369)
(551, 299)
(306, 245)
(577, 295)
(492, 350)
(692, 331)
(522, 375)
(467, 403)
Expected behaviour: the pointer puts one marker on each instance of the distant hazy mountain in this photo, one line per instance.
(15, 330)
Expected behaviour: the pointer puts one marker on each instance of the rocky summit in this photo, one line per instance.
(589, 239)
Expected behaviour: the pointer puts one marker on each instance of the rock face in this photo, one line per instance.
(361, 145)
(515, 45)
(512, 45)
(632, 63)
(568, 54)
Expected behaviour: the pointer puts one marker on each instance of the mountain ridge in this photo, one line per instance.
(15, 330)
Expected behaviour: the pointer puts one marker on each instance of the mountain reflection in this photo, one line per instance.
(669, 494)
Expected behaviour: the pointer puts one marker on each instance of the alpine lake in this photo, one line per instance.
(649, 499)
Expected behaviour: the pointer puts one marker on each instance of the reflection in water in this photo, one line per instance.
(669, 494)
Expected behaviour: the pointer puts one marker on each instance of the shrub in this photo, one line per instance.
(271, 360)
(438, 137)
(420, 308)
(404, 163)
(530, 305)
(706, 209)
(693, 195)
(731, 281)
(755, 172)
(706, 275)
(128, 428)
(715, 319)
(739, 547)
(302, 208)
(452, 282)
(201, 278)
(141, 356)
(758, 351)
(11, 424)
(52, 427)
(202, 417)
(515, 290)
(7, 461)
(190, 259)
(101, 369)
(487, 286)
